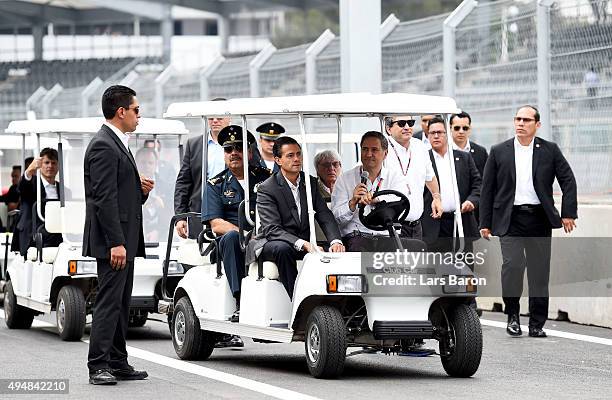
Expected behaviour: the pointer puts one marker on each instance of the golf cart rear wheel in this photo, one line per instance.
(70, 313)
(16, 316)
(325, 342)
(464, 342)
(138, 320)
(190, 342)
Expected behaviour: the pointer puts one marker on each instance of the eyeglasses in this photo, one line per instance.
(230, 149)
(525, 120)
(437, 133)
(335, 164)
(402, 122)
(136, 110)
(458, 128)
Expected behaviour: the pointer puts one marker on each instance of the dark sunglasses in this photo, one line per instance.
(458, 128)
(402, 122)
(136, 110)
(229, 149)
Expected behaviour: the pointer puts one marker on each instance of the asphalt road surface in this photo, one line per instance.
(574, 362)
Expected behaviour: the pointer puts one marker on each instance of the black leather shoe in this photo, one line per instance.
(230, 341)
(235, 316)
(514, 326)
(102, 377)
(129, 374)
(537, 332)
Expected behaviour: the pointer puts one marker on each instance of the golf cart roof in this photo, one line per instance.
(146, 126)
(344, 104)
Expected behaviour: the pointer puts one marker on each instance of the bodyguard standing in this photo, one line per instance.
(517, 205)
(114, 194)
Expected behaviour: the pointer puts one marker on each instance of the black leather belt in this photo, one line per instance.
(448, 215)
(527, 207)
(412, 223)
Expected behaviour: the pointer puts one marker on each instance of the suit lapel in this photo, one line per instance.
(303, 203)
(290, 201)
(512, 161)
(121, 146)
(536, 157)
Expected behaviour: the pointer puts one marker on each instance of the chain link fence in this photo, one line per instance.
(496, 50)
(231, 78)
(328, 69)
(581, 90)
(284, 74)
(412, 57)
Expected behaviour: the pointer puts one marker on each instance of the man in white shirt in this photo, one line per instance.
(517, 205)
(408, 156)
(350, 193)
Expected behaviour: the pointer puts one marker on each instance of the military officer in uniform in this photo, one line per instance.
(268, 133)
(224, 194)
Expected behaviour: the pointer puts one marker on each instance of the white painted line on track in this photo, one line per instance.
(235, 380)
(555, 333)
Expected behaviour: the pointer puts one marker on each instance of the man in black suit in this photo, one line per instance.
(283, 211)
(517, 205)
(461, 127)
(47, 164)
(188, 188)
(438, 233)
(114, 194)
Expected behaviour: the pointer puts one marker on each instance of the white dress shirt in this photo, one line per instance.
(447, 189)
(50, 188)
(348, 221)
(466, 149)
(216, 158)
(269, 164)
(122, 136)
(523, 162)
(418, 172)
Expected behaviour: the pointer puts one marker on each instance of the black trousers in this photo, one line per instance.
(285, 256)
(110, 317)
(412, 230)
(233, 260)
(527, 246)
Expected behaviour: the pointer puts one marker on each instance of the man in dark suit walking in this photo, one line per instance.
(461, 126)
(283, 211)
(438, 233)
(188, 188)
(517, 205)
(114, 194)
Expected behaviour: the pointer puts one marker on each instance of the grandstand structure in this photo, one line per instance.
(497, 65)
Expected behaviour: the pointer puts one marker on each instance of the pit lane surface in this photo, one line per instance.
(525, 368)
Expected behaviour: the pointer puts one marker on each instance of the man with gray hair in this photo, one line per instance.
(329, 167)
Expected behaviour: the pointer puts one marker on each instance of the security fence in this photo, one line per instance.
(496, 61)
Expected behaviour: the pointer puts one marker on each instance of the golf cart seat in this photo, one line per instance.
(270, 270)
(48, 254)
(189, 253)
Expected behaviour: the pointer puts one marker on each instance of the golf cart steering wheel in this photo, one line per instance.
(384, 214)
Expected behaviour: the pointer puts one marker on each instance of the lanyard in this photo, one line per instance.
(404, 172)
(380, 180)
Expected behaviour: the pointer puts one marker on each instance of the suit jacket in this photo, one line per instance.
(499, 185)
(113, 198)
(23, 237)
(480, 155)
(279, 217)
(188, 189)
(468, 183)
(418, 135)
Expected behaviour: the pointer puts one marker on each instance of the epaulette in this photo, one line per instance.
(217, 178)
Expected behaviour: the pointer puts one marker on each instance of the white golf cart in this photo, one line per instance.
(335, 304)
(59, 278)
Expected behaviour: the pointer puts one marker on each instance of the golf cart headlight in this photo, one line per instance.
(175, 267)
(76, 267)
(345, 284)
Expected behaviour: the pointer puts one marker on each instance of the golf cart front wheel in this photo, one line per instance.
(325, 342)
(462, 347)
(70, 313)
(190, 342)
(16, 316)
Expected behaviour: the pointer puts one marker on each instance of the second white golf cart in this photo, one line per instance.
(59, 278)
(335, 304)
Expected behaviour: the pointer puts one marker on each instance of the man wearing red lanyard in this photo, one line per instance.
(349, 193)
(408, 156)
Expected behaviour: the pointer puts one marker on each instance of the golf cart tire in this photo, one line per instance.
(326, 323)
(16, 316)
(138, 321)
(196, 343)
(464, 360)
(74, 313)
